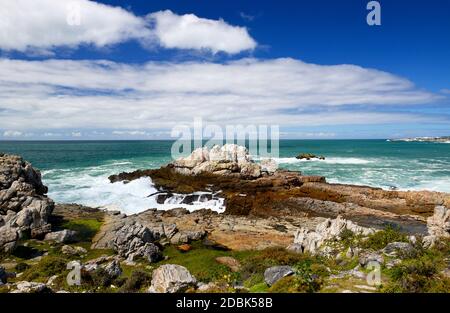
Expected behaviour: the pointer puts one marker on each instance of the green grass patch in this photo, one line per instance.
(47, 267)
(86, 228)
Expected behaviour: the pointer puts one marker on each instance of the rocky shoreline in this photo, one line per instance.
(275, 223)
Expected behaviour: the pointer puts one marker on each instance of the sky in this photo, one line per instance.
(85, 70)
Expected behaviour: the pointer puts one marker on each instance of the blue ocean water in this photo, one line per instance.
(77, 171)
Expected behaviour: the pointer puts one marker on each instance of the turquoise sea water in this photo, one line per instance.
(77, 171)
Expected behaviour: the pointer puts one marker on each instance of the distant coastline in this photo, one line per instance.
(442, 139)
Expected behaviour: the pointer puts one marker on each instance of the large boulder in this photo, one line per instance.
(230, 159)
(171, 278)
(62, 236)
(311, 241)
(24, 207)
(134, 240)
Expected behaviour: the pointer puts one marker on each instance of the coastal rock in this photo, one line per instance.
(113, 269)
(309, 156)
(24, 208)
(171, 278)
(30, 287)
(69, 250)
(438, 226)
(394, 249)
(311, 240)
(226, 160)
(275, 273)
(367, 257)
(131, 240)
(62, 236)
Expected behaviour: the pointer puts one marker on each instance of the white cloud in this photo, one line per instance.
(37, 27)
(76, 134)
(191, 32)
(45, 24)
(64, 94)
(12, 133)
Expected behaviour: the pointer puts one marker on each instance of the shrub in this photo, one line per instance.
(46, 268)
(136, 281)
(22, 266)
(380, 239)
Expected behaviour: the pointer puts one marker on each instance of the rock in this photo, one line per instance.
(62, 236)
(171, 278)
(309, 156)
(134, 239)
(310, 241)
(438, 226)
(3, 275)
(113, 269)
(69, 250)
(275, 273)
(8, 238)
(230, 262)
(269, 166)
(51, 280)
(367, 257)
(184, 247)
(226, 160)
(395, 249)
(31, 287)
(24, 208)
(148, 251)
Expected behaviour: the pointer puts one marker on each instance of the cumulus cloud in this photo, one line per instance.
(54, 94)
(45, 24)
(191, 32)
(40, 26)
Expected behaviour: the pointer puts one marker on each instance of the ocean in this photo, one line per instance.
(77, 171)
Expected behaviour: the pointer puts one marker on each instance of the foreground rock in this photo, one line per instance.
(313, 241)
(171, 278)
(438, 226)
(275, 273)
(24, 208)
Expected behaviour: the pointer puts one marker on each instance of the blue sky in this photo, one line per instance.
(307, 66)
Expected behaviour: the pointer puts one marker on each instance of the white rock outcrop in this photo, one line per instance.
(438, 226)
(171, 278)
(312, 241)
(226, 160)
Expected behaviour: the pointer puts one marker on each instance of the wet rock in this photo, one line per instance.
(62, 236)
(230, 262)
(171, 278)
(275, 273)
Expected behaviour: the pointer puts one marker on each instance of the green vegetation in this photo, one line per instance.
(47, 267)
(421, 271)
(380, 239)
(136, 281)
(86, 228)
